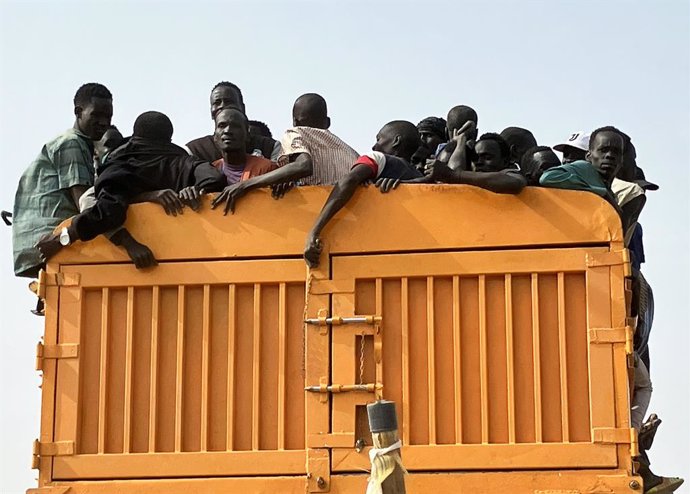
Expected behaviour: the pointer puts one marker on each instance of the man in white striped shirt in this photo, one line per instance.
(312, 154)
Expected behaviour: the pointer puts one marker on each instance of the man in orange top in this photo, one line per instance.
(231, 137)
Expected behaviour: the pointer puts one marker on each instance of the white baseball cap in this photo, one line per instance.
(579, 140)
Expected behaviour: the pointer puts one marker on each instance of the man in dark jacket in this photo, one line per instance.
(226, 95)
(146, 165)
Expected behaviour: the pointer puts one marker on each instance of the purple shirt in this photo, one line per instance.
(232, 173)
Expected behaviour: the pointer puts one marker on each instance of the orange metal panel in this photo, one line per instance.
(471, 326)
(172, 371)
(197, 368)
(263, 227)
(527, 482)
(488, 457)
(178, 464)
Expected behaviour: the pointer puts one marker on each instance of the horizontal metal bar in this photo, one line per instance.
(344, 388)
(337, 321)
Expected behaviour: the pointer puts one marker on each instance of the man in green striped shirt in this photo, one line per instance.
(49, 190)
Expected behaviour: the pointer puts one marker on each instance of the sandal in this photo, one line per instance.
(667, 486)
(648, 431)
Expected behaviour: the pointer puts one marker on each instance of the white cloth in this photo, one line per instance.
(380, 468)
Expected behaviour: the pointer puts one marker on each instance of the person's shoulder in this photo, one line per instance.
(254, 160)
(578, 165)
(69, 139)
(200, 140)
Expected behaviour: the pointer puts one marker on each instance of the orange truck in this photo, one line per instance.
(498, 324)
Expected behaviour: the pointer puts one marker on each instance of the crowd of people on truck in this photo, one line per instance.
(92, 173)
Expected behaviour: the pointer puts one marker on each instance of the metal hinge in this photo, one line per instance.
(615, 258)
(60, 448)
(611, 435)
(344, 388)
(613, 335)
(62, 351)
(56, 279)
(318, 470)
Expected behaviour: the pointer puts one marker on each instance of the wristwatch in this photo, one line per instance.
(64, 237)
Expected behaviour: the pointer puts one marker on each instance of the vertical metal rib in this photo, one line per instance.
(405, 329)
(483, 361)
(179, 367)
(431, 358)
(205, 342)
(103, 370)
(536, 358)
(231, 369)
(153, 390)
(282, 359)
(128, 371)
(563, 353)
(377, 338)
(510, 358)
(256, 361)
(457, 360)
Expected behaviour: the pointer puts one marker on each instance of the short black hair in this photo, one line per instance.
(153, 125)
(608, 128)
(91, 90)
(410, 140)
(314, 103)
(519, 136)
(527, 158)
(265, 131)
(234, 108)
(502, 144)
(434, 125)
(459, 115)
(232, 86)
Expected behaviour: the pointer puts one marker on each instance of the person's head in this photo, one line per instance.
(310, 110)
(399, 138)
(459, 116)
(110, 140)
(154, 126)
(93, 108)
(492, 153)
(535, 161)
(574, 148)
(432, 132)
(627, 170)
(606, 148)
(232, 130)
(226, 95)
(519, 140)
(259, 129)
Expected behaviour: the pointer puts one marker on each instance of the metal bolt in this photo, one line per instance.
(359, 445)
(321, 482)
(634, 485)
(308, 475)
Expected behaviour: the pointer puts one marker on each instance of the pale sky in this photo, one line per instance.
(553, 67)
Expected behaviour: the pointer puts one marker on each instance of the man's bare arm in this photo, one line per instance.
(342, 192)
(300, 168)
(77, 191)
(501, 183)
